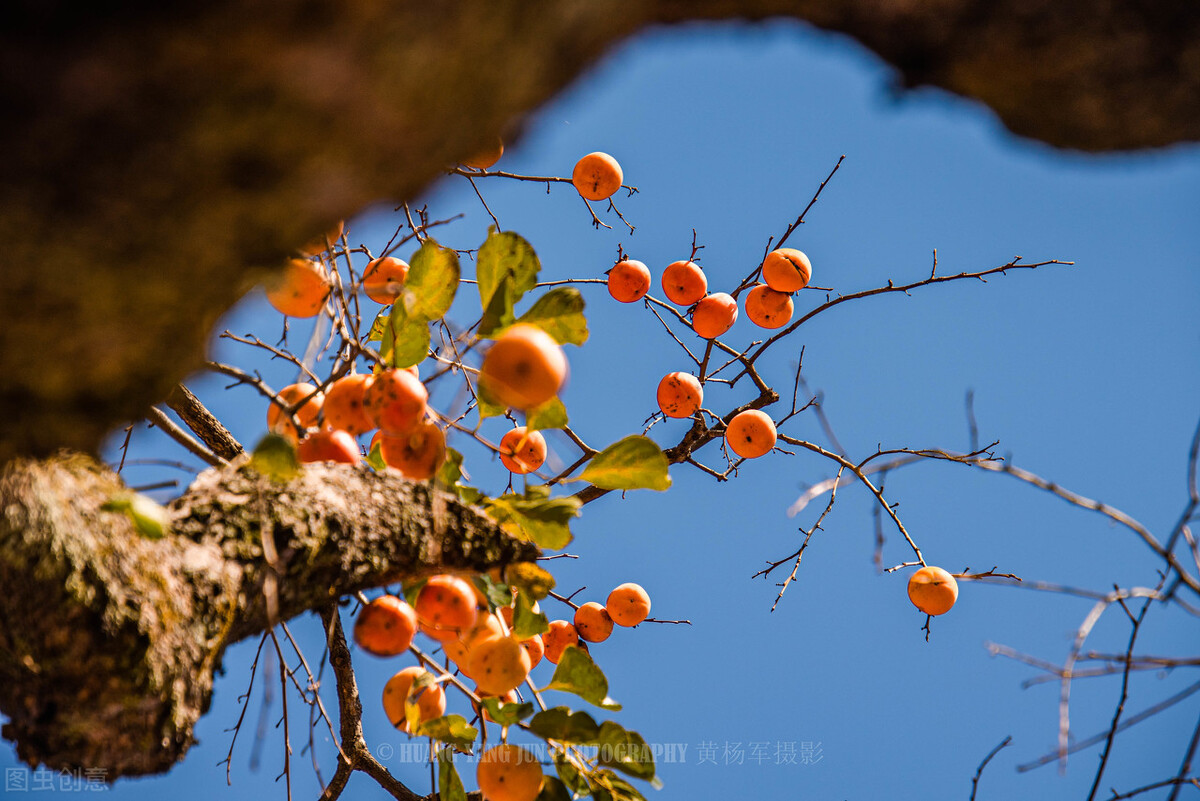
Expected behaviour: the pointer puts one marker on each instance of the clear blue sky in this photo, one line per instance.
(1086, 375)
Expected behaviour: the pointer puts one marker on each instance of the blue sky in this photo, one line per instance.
(1085, 374)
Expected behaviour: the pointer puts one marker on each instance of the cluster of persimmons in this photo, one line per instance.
(523, 368)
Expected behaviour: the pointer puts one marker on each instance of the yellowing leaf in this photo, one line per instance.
(559, 313)
(635, 462)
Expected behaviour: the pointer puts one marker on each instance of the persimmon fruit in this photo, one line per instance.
(509, 773)
(431, 703)
(593, 622)
(597, 176)
(751, 434)
(679, 394)
(299, 290)
(932, 590)
(344, 405)
(328, 445)
(786, 270)
(767, 308)
(524, 368)
(306, 414)
(386, 626)
(383, 279)
(446, 604)
(714, 315)
(629, 281)
(499, 664)
(684, 283)
(554, 641)
(395, 400)
(628, 604)
(487, 157)
(522, 451)
(417, 453)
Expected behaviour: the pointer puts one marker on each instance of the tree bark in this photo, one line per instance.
(161, 159)
(109, 640)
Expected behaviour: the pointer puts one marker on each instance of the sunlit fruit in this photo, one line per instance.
(561, 634)
(299, 290)
(524, 368)
(684, 283)
(767, 308)
(395, 400)
(786, 270)
(385, 627)
(431, 702)
(417, 453)
(499, 664)
(509, 773)
(597, 176)
(521, 451)
(932, 590)
(592, 622)
(383, 279)
(714, 315)
(679, 394)
(306, 415)
(447, 604)
(629, 281)
(486, 157)
(328, 445)
(344, 406)
(751, 434)
(628, 604)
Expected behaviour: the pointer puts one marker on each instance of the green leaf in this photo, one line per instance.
(577, 673)
(376, 332)
(507, 714)
(635, 462)
(526, 622)
(551, 414)
(506, 268)
(497, 593)
(148, 517)
(498, 313)
(432, 280)
(531, 580)
(412, 589)
(559, 313)
(451, 470)
(553, 790)
(452, 729)
(375, 458)
(608, 786)
(405, 339)
(536, 516)
(565, 726)
(450, 786)
(570, 775)
(625, 750)
(275, 457)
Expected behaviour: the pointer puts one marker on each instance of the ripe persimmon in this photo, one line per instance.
(486, 625)
(446, 604)
(751, 434)
(767, 308)
(786, 270)
(679, 394)
(395, 400)
(383, 279)
(417, 453)
(499, 664)
(714, 315)
(385, 627)
(344, 407)
(561, 634)
(299, 290)
(592, 622)
(535, 648)
(932, 590)
(522, 452)
(431, 703)
(597, 176)
(684, 283)
(524, 368)
(628, 604)
(487, 157)
(509, 773)
(328, 445)
(306, 415)
(629, 281)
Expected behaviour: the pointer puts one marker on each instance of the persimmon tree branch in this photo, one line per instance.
(119, 665)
